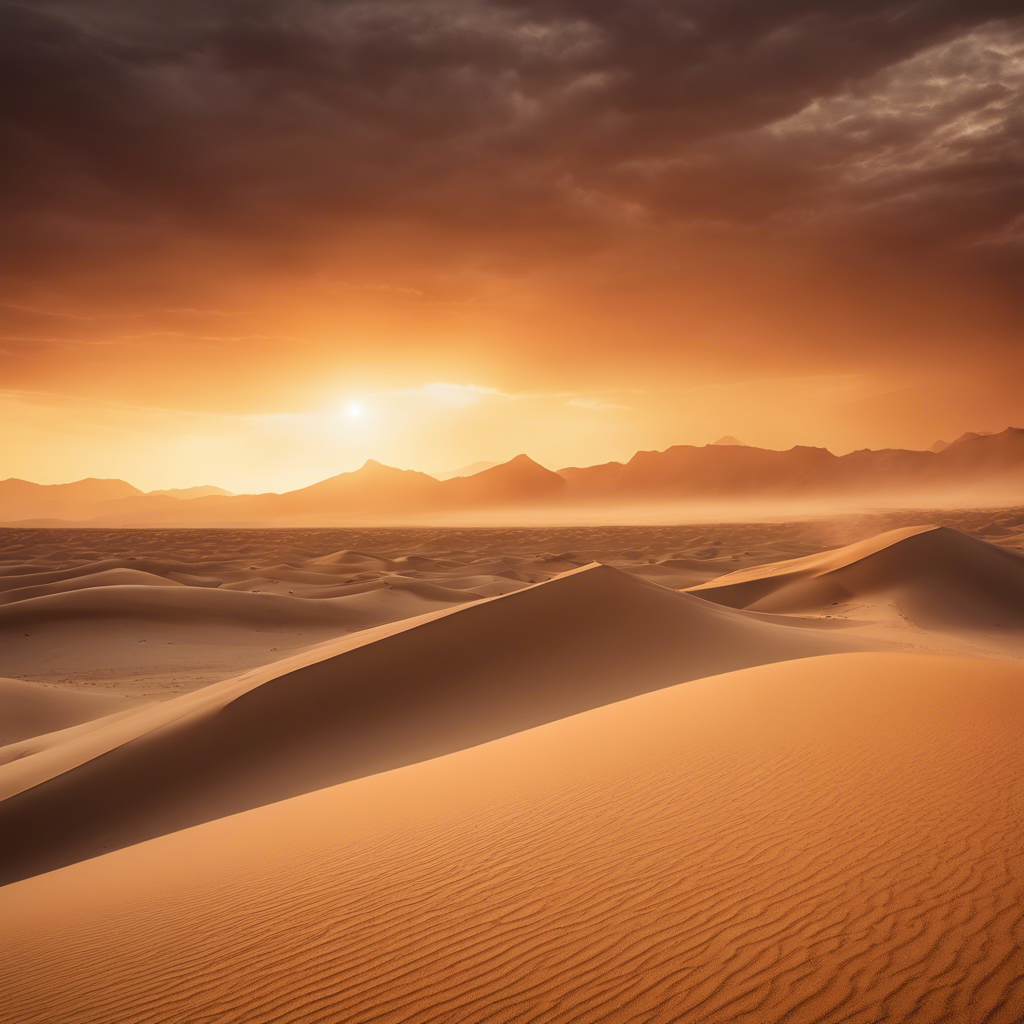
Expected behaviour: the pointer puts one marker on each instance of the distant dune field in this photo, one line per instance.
(728, 772)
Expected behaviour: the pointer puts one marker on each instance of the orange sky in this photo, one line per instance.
(255, 248)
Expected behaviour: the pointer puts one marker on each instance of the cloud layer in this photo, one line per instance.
(708, 186)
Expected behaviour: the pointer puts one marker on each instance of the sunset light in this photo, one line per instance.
(512, 511)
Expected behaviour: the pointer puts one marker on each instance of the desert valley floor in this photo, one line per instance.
(719, 772)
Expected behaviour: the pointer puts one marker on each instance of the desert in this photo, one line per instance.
(512, 512)
(451, 773)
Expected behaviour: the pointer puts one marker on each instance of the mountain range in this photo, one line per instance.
(976, 467)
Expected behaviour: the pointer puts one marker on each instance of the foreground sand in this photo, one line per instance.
(830, 839)
(476, 775)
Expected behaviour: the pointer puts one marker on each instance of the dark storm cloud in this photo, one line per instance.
(272, 126)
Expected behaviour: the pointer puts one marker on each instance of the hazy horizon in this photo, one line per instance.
(254, 247)
(598, 593)
(186, 484)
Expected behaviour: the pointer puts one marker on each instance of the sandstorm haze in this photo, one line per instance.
(253, 245)
(512, 511)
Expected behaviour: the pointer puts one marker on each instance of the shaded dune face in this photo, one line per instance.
(935, 576)
(401, 695)
(170, 603)
(156, 628)
(826, 841)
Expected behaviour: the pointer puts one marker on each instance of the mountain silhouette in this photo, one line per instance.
(975, 467)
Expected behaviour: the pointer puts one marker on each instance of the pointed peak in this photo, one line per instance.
(521, 463)
(378, 468)
(972, 435)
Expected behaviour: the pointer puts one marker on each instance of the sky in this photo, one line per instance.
(254, 244)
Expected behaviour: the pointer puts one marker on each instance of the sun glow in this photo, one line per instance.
(354, 411)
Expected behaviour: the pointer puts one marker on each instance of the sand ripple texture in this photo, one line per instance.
(833, 839)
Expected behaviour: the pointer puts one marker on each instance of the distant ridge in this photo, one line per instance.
(520, 480)
(20, 499)
(977, 467)
(193, 492)
(473, 467)
(729, 471)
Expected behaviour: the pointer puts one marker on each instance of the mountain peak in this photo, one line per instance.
(729, 440)
(371, 467)
(523, 460)
(519, 479)
(522, 467)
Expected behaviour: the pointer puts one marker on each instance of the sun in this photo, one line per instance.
(354, 411)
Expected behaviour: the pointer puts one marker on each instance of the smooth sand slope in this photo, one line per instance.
(826, 840)
(65, 583)
(384, 698)
(30, 709)
(78, 615)
(936, 577)
(165, 636)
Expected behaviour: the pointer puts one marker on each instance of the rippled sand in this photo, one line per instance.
(722, 773)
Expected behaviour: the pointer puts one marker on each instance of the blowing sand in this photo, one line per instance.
(577, 775)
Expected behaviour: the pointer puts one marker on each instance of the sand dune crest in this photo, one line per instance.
(935, 576)
(401, 694)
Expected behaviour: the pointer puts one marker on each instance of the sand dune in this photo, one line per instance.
(31, 709)
(155, 650)
(175, 603)
(351, 560)
(826, 840)
(103, 578)
(109, 624)
(24, 577)
(831, 838)
(934, 576)
(373, 702)
(151, 639)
